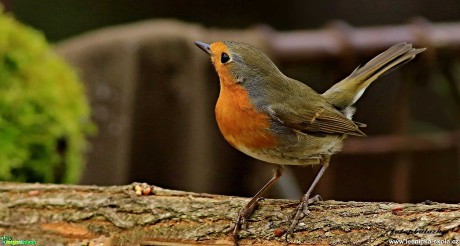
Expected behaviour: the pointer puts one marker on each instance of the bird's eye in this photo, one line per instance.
(224, 58)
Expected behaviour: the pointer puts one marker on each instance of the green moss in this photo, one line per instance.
(44, 115)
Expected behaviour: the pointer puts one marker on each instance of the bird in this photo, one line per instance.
(282, 121)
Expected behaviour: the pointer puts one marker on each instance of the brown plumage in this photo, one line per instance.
(282, 121)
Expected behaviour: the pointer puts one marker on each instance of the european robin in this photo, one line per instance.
(279, 120)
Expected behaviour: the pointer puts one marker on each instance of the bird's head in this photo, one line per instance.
(237, 62)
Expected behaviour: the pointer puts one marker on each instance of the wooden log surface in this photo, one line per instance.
(92, 215)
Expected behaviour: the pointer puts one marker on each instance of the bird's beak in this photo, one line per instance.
(205, 47)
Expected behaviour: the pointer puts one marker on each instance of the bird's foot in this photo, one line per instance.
(300, 212)
(243, 215)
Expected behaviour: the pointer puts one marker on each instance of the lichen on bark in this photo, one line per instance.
(65, 214)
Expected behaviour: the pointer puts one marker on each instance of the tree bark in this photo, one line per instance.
(87, 215)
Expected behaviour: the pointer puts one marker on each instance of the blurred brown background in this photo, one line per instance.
(153, 92)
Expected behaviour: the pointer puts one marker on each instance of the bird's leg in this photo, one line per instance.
(251, 205)
(302, 208)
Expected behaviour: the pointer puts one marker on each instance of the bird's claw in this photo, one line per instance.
(300, 212)
(240, 221)
(243, 214)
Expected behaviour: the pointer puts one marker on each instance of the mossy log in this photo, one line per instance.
(92, 215)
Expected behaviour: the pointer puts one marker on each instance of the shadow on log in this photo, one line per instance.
(115, 215)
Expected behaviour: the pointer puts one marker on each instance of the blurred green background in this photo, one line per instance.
(44, 114)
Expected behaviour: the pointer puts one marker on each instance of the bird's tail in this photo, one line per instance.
(346, 92)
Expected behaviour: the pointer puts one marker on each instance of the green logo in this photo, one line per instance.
(7, 240)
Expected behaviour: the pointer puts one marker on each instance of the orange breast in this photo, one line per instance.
(238, 120)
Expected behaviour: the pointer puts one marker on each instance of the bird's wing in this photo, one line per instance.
(317, 119)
